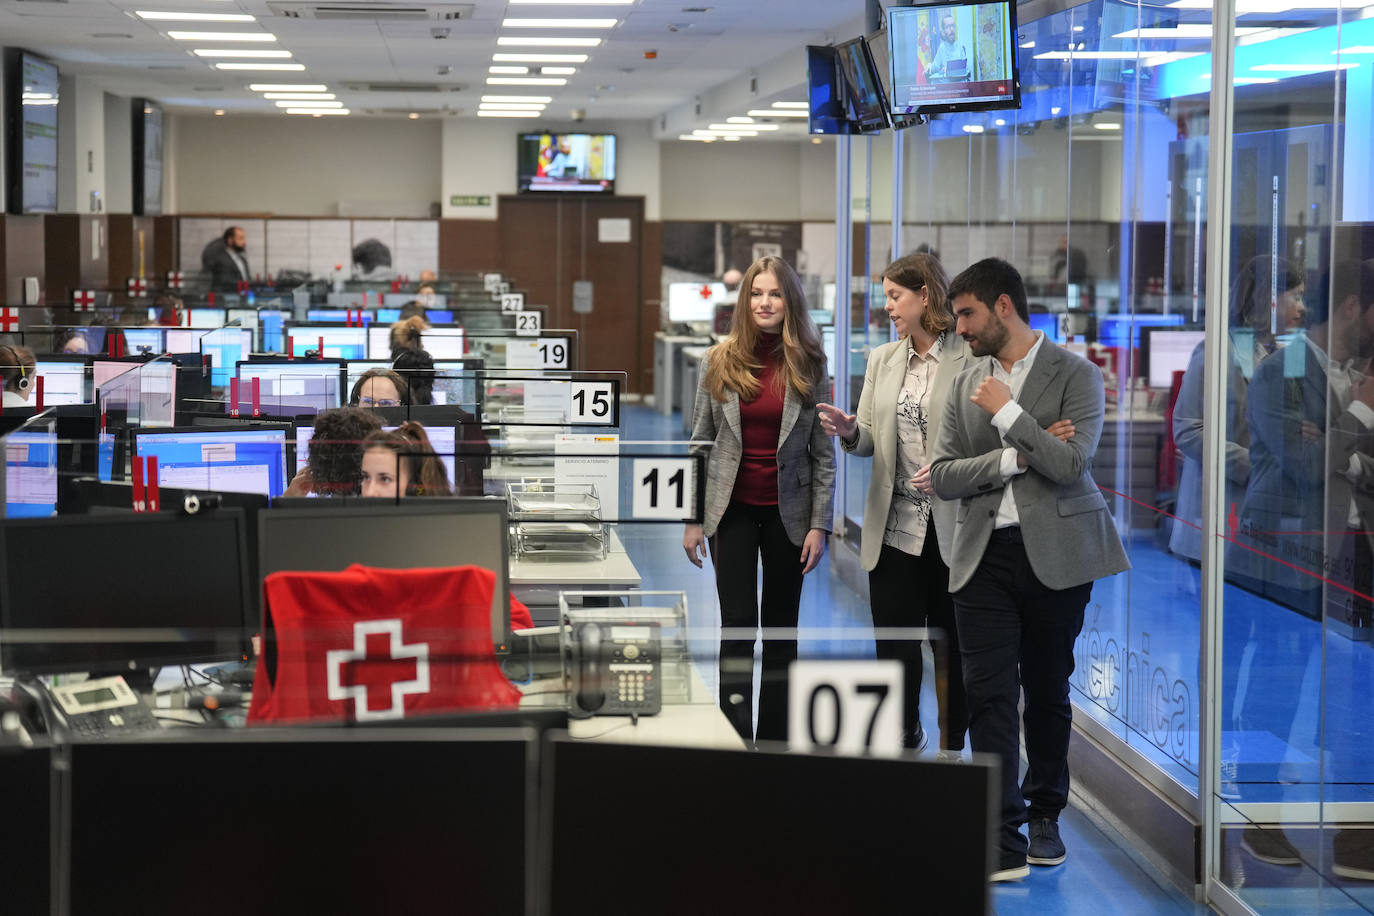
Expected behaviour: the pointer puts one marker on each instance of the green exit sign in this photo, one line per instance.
(470, 200)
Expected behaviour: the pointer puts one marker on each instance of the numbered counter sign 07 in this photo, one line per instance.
(853, 707)
(664, 488)
(512, 302)
(528, 323)
(592, 403)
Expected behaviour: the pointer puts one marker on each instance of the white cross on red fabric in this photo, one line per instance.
(83, 300)
(138, 287)
(174, 279)
(372, 664)
(9, 320)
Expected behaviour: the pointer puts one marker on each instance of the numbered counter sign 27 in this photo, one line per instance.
(664, 488)
(853, 707)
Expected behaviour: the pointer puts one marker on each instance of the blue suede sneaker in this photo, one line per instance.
(1010, 867)
(1045, 846)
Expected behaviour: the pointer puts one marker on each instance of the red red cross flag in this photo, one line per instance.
(9, 320)
(705, 291)
(138, 287)
(83, 300)
(367, 644)
(175, 280)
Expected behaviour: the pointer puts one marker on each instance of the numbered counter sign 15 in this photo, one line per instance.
(664, 488)
(853, 707)
(592, 403)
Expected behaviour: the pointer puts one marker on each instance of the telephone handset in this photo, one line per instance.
(616, 669)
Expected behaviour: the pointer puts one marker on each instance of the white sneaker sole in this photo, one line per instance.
(1034, 860)
(1358, 874)
(1010, 874)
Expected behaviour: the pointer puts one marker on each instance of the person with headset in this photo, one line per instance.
(17, 368)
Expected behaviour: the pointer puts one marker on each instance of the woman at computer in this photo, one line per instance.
(334, 467)
(402, 462)
(770, 481)
(17, 368)
(417, 368)
(379, 388)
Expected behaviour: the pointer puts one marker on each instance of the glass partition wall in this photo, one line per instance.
(1225, 293)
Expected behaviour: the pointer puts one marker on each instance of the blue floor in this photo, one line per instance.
(1100, 874)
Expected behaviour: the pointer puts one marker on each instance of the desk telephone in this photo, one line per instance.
(616, 669)
(91, 709)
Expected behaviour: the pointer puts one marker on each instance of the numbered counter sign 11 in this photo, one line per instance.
(664, 488)
(853, 707)
(512, 302)
(528, 322)
(592, 403)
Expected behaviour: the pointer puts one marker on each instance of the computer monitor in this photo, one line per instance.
(64, 379)
(225, 347)
(340, 341)
(105, 370)
(693, 302)
(182, 340)
(441, 343)
(1049, 323)
(867, 98)
(207, 318)
(415, 533)
(953, 56)
(394, 820)
(443, 438)
(121, 591)
(336, 314)
(1168, 351)
(397, 300)
(148, 341)
(850, 849)
(237, 459)
(30, 482)
(291, 386)
(1124, 330)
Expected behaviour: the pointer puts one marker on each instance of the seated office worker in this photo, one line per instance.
(17, 368)
(402, 462)
(770, 481)
(1018, 600)
(379, 388)
(335, 465)
(907, 532)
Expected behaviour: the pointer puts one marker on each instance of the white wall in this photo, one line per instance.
(119, 155)
(479, 158)
(301, 166)
(731, 181)
(80, 143)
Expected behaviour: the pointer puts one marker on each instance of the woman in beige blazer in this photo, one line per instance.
(770, 483)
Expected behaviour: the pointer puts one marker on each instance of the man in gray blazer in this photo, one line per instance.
(1018, 600)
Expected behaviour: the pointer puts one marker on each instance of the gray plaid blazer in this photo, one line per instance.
(806, 460)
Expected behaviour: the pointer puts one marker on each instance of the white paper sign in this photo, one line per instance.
(854, 707)
(529, 322)
(613, 230)
(604, 473)
(664, 488)
(591, 402)
(523, 354)
(512, 302)
(546, 402)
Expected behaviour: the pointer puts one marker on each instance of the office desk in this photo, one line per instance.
(666, 381)
(691, 376)
(537, 582)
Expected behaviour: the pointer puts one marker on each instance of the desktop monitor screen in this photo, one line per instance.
(335, 314)
(430, 301)
(395, 821)
(238, 459)
(694, 301)
(290, 387)
(828, 111)
(1124, 330)
(340, 342)
(1050, 323)
(955, 56)
(31, 469)
(455, 380)
(107, 575)
(581, 163)
(866, 96)
(207, 318)
(411, 534)
(63, 382)
(225, 348)
(443, 438)
(104, 371)
(146, 341)
(1170, 351)
(440, 343)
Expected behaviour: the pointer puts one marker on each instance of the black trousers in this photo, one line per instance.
(1017, 635)
(746, 536)
(913, 591)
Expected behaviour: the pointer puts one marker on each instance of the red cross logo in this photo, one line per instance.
(83, 300)
(138, 287)
(174, 279)
(373, 662)
(705, 291)
(9, 320)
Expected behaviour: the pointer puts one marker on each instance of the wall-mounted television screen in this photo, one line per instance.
(866, 96)
(33, 135)
(828, 102)
(882, 63)
(580, 163)
(147, 140)
(953, 57)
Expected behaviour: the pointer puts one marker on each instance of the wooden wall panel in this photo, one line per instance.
(651, 290)
(21, 255)
(166, 244)
(469, 244)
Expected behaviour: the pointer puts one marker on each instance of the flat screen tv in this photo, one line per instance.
(882, 63)
(147, 144)
(866, 96)
(577, 163)
(828, 107)
(948, 57)
(33, 134)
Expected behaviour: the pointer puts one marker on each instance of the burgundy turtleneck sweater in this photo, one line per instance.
(756, 484)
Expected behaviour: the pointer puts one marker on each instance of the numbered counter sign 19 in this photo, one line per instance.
(664, 488)
(553, 353)
(512, 302)
(853, 707)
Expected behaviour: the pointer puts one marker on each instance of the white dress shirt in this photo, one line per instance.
(909, 516)
(1011, 411)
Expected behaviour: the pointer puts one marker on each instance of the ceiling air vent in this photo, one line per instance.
(402, 87)
(371, 12)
